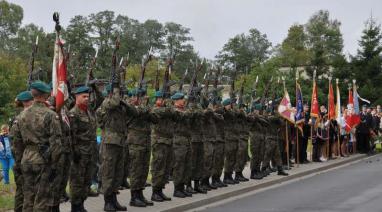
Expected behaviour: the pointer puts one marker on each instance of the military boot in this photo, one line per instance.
(221, 184)
(156, 197)
(118, 206)
(76, 208)
(198, 188)
(135, 200)
(281, 172)
(109, 205)
(164, 197)
(204, 185)
(239, 177)
(255, 175)
(207, 182)
(178, 191)
(189, 188)
(215, 183)
(228, 179)
(142, 198)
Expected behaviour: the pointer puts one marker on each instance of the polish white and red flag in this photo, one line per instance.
(59, 75)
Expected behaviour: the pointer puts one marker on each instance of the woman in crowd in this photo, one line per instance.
(6, 157)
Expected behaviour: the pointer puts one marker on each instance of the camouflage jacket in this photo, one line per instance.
(162, 128)
(182, 123)
(219, 123)
(230, 125)
(36, 132)
(139, 128)
(196, 122)
(112, 118)
(209, 127)
(84, 128)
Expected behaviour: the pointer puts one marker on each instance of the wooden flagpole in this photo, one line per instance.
(338, 123)
(328, 141)
(296, 129)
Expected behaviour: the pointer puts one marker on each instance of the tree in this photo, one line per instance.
(367, 64)
(245, 51)
(11, 16)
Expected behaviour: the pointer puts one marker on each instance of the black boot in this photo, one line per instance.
(109, 206)
(164, 197)
(221, 184)
(142, 198)
(255, 175)
(273, 169)
(178, 191)
(185, 192)
(239, 177)
(135, 200)
(228, 179)
(215, 183)
(204, 185)
(118, 206)
(207, 181)
(156, 197)
(281, 172)
(198, 188)
(189, 188)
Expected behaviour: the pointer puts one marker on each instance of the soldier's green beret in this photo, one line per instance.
(226, 102)
(24, 96)
(82, 89)
(258, 106)
(178, 95)
(41, 86)
(158, 94)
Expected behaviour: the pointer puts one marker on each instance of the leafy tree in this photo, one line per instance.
(11, 16)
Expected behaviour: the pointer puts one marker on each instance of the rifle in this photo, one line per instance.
(90, 75)
(31, 62)
(232, 89)
(253, 96)
(215, 85)
(241, 93)
(182, 81)
(191, 90)
(114, 78)
(166, 79)
(122, 69)
(157, 78)
(265, 93)
(145, 61)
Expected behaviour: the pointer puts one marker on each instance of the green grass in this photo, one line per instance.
(7, 193)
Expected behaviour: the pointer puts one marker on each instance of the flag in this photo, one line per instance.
(59, 79)
(355, 100)
(315, 108)
(285, 108)
(338, 104)
(353, 117)
(299, 117)
(331, 105)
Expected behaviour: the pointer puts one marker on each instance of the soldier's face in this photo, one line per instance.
(82, 99)
(159, 102)
(27, 103)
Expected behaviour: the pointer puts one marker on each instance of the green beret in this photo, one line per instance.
(24, 96)
(40, 86)
(159, 94)
(258, 107)
(226, 102)
(138, 91)
(82, 89)
(177, 96)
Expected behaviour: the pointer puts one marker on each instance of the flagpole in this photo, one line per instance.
(296, 128)
(328, 141)
(338, 122)
(286, 130)
(311, 122)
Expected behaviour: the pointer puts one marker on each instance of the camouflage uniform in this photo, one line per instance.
(112, 118)
(139, 148)
(182, 149)
(243, 136)
(231, 144)
(218, 157)
(273, 135)
(84, 140)
(161, 145)
(197, 151)
(37, 143)
(209, 134)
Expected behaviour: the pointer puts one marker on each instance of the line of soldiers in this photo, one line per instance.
(190, 143)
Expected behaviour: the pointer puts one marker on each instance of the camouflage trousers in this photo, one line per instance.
(256, 149)
(111, 168)
(140, 161)
(272, 152)
(231, 147)
(126, 162)
(160, 164)
(80, 178)
(218, 159)
(19, 180)
(182, 163)
(241, 154)
(197, 165)
(209, 147)
(37, 187)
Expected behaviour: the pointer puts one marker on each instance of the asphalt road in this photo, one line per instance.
(357, 188)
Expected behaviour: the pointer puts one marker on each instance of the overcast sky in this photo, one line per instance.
(213, 22)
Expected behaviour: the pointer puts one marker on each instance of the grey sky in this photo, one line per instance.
(213, 22)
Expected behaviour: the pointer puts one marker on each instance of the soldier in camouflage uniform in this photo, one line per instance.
(161, 141)
(112, 117)
(181, 147)
(139, 143)
(197, 151)
(83, 129)
(24, 100)
(218, 157)
(242, 150)
(231, 142)
(257, 137)
(36, 135)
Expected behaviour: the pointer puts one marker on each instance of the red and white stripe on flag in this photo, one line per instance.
(59, 73)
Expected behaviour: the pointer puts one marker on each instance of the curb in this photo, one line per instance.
(207, 201)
